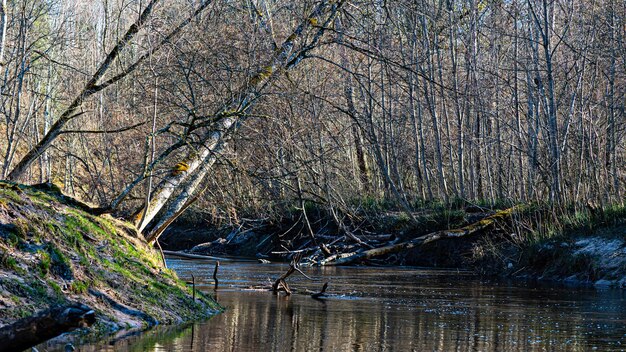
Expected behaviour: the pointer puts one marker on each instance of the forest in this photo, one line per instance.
(479, 134)
(129, 104)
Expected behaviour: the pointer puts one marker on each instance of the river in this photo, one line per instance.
(388, 309)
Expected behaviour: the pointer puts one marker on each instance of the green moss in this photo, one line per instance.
(83, 260)
(59, 264)
(13, 240)
(263, 74)
(44, 263)
(45, 199)
(159, 286)
(56, 288)
(23, 312)
(36, 291)
(21, 228)
(79, 287)
(106, 225)
(76, 222)
(8, 262)
(11, 195)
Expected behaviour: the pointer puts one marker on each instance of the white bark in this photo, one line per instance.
(168, 186)
(199, 163)
(3, 29)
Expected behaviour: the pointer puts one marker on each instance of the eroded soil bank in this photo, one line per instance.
(53, 252)
(588, 246)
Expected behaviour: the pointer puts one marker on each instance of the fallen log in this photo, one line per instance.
(52, 188)
(419, 241)
(28, 332)
(336, 257)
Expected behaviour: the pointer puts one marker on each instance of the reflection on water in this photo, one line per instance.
(390, 309)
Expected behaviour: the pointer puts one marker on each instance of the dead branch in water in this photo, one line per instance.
(217, 265)
(280, 282)
(322, 292)
(293, 267)
(419, 241)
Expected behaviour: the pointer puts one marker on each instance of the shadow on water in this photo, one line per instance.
(390, 309)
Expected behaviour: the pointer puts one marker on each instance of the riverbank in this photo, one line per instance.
(575, 244)
(596, 258)
(53, 251)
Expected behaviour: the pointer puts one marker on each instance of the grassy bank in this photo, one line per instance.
(52, 252)
(576, 244)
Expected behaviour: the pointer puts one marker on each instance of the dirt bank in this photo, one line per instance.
(586, 246)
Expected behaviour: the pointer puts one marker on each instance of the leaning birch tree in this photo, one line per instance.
(175, 191)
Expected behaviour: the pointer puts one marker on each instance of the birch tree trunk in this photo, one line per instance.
(3, 29)
(233, 113)
(544, 25)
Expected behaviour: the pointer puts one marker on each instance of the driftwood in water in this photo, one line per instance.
(322, 292)
(280, 282)
(217, 265)
(293, 267)
(45, 325)
(431, 237)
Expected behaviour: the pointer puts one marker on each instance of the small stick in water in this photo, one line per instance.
(193, 287)
(217, 265)
(322, 293)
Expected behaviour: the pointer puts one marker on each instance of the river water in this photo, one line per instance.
(388, 309)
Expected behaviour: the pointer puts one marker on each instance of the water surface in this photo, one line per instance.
(389, 309)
